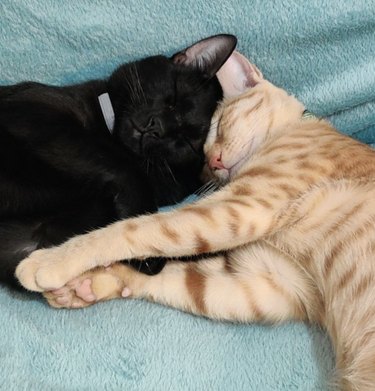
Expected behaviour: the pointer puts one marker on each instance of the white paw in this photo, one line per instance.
(52, 276)
(27, 269)
(43, 270)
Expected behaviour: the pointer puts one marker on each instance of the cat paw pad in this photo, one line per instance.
(75, 294)
(95, 285)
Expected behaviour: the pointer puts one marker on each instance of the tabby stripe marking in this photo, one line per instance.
(254, 308)
(345, 278)
(347, 240)
(362, 286)
(299, 310)
(201, 244)
(291, 191)
(253, 109)
(263, 202)
(238, 202)
(261, 171)
(343, 219)
(170, 233)
(242, 190)
(196, 284)
(202, 212)
(234, 220)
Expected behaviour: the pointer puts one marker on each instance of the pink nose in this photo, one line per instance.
(215, 162)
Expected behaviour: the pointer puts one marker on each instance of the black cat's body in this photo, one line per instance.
(63, 173)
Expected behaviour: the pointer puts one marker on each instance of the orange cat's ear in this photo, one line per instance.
(237, 75)
(207, 55)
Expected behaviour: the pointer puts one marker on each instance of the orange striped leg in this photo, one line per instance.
(249, 284)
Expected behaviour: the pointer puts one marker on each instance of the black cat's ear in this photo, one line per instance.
(207, 55)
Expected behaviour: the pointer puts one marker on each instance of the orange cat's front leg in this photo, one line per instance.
(225, 220)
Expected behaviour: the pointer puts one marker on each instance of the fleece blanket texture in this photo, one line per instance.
(321, 51)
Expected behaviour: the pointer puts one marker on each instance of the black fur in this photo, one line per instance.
(62, 173)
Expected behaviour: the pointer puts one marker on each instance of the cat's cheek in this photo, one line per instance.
(133, 143)
(179, 153)
(154, 147)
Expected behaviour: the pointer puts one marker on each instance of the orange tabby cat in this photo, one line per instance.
(293, 227)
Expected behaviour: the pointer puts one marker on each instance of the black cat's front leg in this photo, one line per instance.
(130, 203)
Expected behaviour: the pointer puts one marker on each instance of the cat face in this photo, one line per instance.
(238, 127)
(163, 106)
(253, 108)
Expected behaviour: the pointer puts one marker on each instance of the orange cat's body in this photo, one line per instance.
(294, 225)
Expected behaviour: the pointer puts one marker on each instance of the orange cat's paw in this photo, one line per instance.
(48, 269)
(96, 285)
(75, 294)
(26, 271)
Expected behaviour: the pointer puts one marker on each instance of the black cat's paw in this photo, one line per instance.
(149, 266)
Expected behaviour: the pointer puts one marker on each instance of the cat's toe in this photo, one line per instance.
(68, 301)
(76, 294)
(26, 272)
(60, 298)
(50, 277)
(126, 292)
(89, 288)
(83, 289)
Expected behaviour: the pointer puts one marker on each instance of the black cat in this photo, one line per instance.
(67, 166)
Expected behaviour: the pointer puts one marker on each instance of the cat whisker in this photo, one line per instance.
(215, 122)
(132, 88)
(137, 96)
(140, 88)
(203, 187)
(170, 171)
(207, 188)
(210, 190)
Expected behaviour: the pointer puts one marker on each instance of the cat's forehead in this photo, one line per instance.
(233, 114)
(160, 73)
(152, 67)
(163, 65)
(241, 101)
(235, 109)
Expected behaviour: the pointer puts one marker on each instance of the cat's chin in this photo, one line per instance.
(222, 176)
(226, 175)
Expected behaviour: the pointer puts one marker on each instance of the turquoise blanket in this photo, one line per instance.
(321, 51)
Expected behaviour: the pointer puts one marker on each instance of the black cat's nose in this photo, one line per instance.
(152, 126)
(151, 123)
(155, 127)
